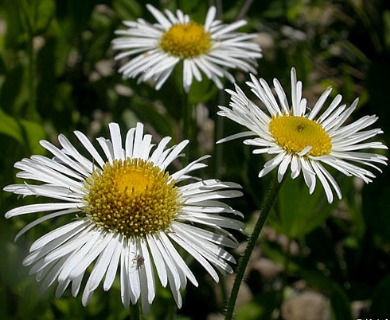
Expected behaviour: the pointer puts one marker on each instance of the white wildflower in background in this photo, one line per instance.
(127, 214)
(302, 138)
(208, 49)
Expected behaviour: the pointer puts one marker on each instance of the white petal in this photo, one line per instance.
(271, 164)
(178, 259)
(90, 148)
(319, 104)
(116, 141)
(171, 268)
(324, 182)
(132, 274)
(76, 284)
(336, 101)
(174, 153)
(107, 148)
(64, 158)
(148, 272)
(97, 249)
(124, 280)
(138, 140)
(209, 236)
(283, 167)
(160, 148)
(74, 227)
(114, 263)
(158, 261)
(210, 18)
(130, 143)
(146, 147)
(52, 275)
(159, 17)
(101, 266)
(187, 246)
(72, 151)
(80, 247)
(43, 218)
(295, 167)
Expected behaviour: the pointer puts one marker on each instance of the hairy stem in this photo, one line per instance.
(267, 206)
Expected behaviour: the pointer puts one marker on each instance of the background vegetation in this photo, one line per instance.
(57, 74)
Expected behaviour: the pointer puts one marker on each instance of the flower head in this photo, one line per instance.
(305, 139)
(126, 211)
(208, 48)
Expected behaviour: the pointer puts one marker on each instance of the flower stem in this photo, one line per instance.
(27, 12)
(188, 126)
(187, 117)
(218, 134)
(267, 205)
(244, 9)
(135, 313)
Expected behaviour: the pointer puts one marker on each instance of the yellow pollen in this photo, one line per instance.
(185, 41)
(294, 134)
(132, 197)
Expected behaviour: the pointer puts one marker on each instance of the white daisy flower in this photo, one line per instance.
(302, 138)
(208, 48)
(127, 214)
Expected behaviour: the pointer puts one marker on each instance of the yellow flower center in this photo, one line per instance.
(132, 197)
(185, 41)
(294, 134)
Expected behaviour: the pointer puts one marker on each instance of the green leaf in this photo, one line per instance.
(34, 133)
(260, 308)
(10, 127)
(250, 311)
(376, 204)
(340, 303)
(25, 132)
(127, 9)
(147, 113)
(298, 212)
(202, 91)
(380, 307)
(386, 21)
(74, 15)
(41, 13)
(13, 91)
(196, 9)
(15, 26)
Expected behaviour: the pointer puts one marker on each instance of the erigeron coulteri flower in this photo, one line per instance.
(127, 214)
(305, 139)
(208, 49)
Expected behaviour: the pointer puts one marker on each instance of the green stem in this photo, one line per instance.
(188, 126)
(171, 312)
(244, 9)
(186, 117)
(27, 14)
(135, 313)
(267, 206)
(31, 78)
(218, 134)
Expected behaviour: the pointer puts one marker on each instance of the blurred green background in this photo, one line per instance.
(314, 260)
